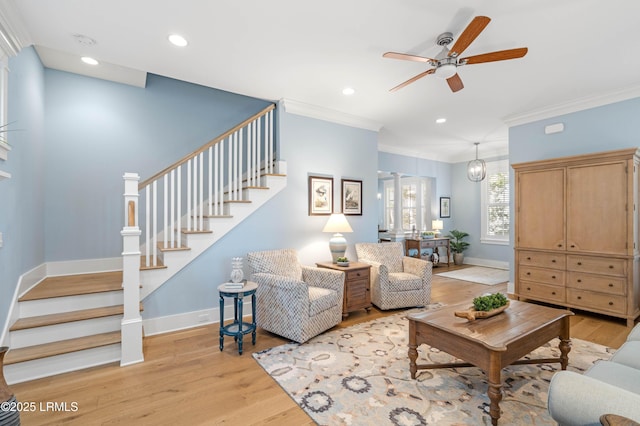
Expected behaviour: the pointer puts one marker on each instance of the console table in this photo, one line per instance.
(422, 243)
(357, 285)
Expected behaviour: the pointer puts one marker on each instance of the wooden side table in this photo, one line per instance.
(432, 243)
(238, 328)
(357, 285)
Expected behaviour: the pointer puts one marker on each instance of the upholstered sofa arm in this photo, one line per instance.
(577, 399)
(322, 277)
(418, 267)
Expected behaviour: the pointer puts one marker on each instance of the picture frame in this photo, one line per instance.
(352, 197)
(445, 206)
(320, 196)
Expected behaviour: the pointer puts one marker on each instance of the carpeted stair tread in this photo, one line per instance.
(72, 285)
(66, 317)
(61, 347)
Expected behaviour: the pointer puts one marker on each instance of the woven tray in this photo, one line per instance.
(471, 314)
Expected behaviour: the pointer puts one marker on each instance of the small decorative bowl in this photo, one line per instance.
(343, 263)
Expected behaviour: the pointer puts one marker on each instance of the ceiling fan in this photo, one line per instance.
(446, 63)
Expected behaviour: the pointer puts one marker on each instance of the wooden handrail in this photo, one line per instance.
(205, 147)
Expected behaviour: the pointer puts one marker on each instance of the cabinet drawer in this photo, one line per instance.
(550, 293)
(543, 260)
(599, 301)
(600, 283)
(358, 274)
(597, 265)
(441, 243)
(542, 275)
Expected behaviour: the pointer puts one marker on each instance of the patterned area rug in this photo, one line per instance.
(360, 376)
(479, 274)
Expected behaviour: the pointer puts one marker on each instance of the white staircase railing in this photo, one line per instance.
(181, 197)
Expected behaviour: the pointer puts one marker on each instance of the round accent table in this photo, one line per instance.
(238, 328)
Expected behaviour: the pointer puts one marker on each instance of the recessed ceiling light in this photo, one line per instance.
(348, 91)
(441, 120)
(178, 40)
(89, 60)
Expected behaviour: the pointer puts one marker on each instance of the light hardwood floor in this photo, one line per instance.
(186, 380)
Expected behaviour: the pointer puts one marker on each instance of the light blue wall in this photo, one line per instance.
(466, 215)
(308, 146)
(22, 197)
(97, 130)
(605, 128)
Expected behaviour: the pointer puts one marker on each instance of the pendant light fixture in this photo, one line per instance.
(476, 169)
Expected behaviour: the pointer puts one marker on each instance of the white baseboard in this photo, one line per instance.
(170, 323)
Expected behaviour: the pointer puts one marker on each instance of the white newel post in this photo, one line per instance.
(132, 321)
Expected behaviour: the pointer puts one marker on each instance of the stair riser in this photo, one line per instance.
(56, 305)
(53, 333)
(30, 370)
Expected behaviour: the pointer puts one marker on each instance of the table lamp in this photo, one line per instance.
(437, 226)
(337, 244)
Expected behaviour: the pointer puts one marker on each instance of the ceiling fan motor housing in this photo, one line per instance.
(444, 39)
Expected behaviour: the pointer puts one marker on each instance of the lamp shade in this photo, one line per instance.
(437, 225)
(337, 223)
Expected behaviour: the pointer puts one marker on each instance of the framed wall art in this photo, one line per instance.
(351, 197)
(320, 195)
(445, 207)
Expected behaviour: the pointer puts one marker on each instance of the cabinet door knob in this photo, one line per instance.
(528, 273)
(553, 276)
(358, 273)
(559, 245)
(579, 297)
(610, 266)
(610, 303)
(529, 258)
(579, 263)
(553, 261)
(579, 280)
(528, 288)
(553, 292)
(610, 285)
(573, 245)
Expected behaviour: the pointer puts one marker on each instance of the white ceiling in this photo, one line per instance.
(581, 53)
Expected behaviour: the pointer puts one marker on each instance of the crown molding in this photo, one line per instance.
(576, 105)
(13, 33)
(326, 114)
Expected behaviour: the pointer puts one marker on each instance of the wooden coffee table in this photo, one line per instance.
(491, 343)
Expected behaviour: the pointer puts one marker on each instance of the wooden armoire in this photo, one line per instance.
(576, 232)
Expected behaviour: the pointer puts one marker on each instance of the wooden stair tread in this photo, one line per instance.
(185, 231)
(238, 201)
(144, 267)
(179, 248)
(72, 285)
(62, 347)
(65, 317)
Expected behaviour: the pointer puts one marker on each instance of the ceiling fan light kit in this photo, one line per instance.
(447, 62)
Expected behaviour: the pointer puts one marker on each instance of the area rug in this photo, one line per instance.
(479, 274)
(360, 376)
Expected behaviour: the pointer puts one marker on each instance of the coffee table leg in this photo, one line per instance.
(413, 352)
(565, 343)
(495, 394)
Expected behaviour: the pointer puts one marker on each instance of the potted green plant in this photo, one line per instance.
(458, 245)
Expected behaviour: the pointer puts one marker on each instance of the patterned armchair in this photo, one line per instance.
(397, 281)
(295, 301)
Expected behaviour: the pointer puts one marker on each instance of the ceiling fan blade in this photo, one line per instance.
(455, 83)
(406, 57)
(469, 34)
(500, 55)
(411, 80)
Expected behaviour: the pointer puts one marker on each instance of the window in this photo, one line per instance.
(415, 202)
(495, 203)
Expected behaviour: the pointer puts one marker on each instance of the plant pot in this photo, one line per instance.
(11, 415)
(458, 258)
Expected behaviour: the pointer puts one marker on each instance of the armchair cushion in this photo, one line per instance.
(404, 281)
